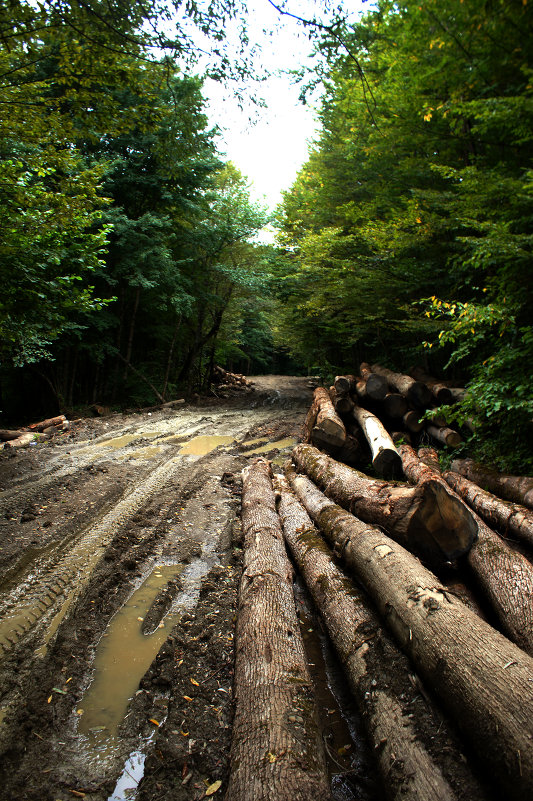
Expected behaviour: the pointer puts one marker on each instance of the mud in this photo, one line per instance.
(120, 558)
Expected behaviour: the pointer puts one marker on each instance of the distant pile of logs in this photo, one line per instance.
(225, 383)
(357, 419)
(391, 621)
(36, 432)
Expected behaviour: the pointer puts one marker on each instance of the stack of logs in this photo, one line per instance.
(357, 419)
(36, 432)
(427, 595)
(226, 383)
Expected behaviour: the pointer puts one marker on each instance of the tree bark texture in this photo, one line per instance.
(328, 428)
(416, 756)
(511, 488)
(344, 384)
(440, 391)
(274, 755)
(428, 519)
(445, 436)
(504, 576)
(508, 517)
(394, 405)
(415, 391)
(385, 458)
(51, 421)
(482, 678)
(376, 385)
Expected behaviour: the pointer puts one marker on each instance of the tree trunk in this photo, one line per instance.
(276, 750)
(385, 458)
(344, 384)
(508, 517)
(51, 421)
(328, 428)
(379, 675)
(511, 488)
(411, 421)
(445, 436)
(427, 519)
(170, 355)
(131, 332)
(343, 404)
(415, 391)
(394, 405)
(482, 678)
(143, 378)
(504, 575)
(376, 385)
(440, 391)
(6, 434)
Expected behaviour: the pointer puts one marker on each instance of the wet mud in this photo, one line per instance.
(120, 558)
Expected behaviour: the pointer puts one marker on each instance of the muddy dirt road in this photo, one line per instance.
(119, 565)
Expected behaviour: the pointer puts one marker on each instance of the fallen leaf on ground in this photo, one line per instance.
(213, 787)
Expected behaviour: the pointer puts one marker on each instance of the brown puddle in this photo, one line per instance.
(123, 656)
(199, 446)
(125, 439)
(279, 445)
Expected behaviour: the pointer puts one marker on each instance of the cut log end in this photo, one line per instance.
(442, 523)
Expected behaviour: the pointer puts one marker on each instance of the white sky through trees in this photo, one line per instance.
(270, 144)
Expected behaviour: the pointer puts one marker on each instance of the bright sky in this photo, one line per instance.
(271, 150)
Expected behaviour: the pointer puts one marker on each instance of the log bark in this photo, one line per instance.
(51, 421)
(411, 421)
(427, 518)
(379, 675)
(504, 576)
(482, 678)
(25, 439)
(511, 488)
(445, 436)
(328, 428)
(276, 749)
(376, 385)
(343, 404)
(440, 391)
(7, 434)
(394, 405)
(344, 384)
(510, 518)
(415, 391)
(385, 458)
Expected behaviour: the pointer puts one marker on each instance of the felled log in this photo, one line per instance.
(428, 519)
(483, 679)
(6, 434)
(412, 422)
(379, 675)
(376, 386)
(276, 749)
(415, 391)
(343, 404)
(328, 428)
(504, 575)
(458, 393)
(353, 452)
(511, 488)
(509, 517)
(51, 421)
(440, 391)
(25, 439)
(394, 405)
(385, 458)
(445, 436)
(344, 384)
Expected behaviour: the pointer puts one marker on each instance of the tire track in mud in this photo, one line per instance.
(60, 577)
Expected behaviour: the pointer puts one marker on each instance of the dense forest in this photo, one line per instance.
(128, 258)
